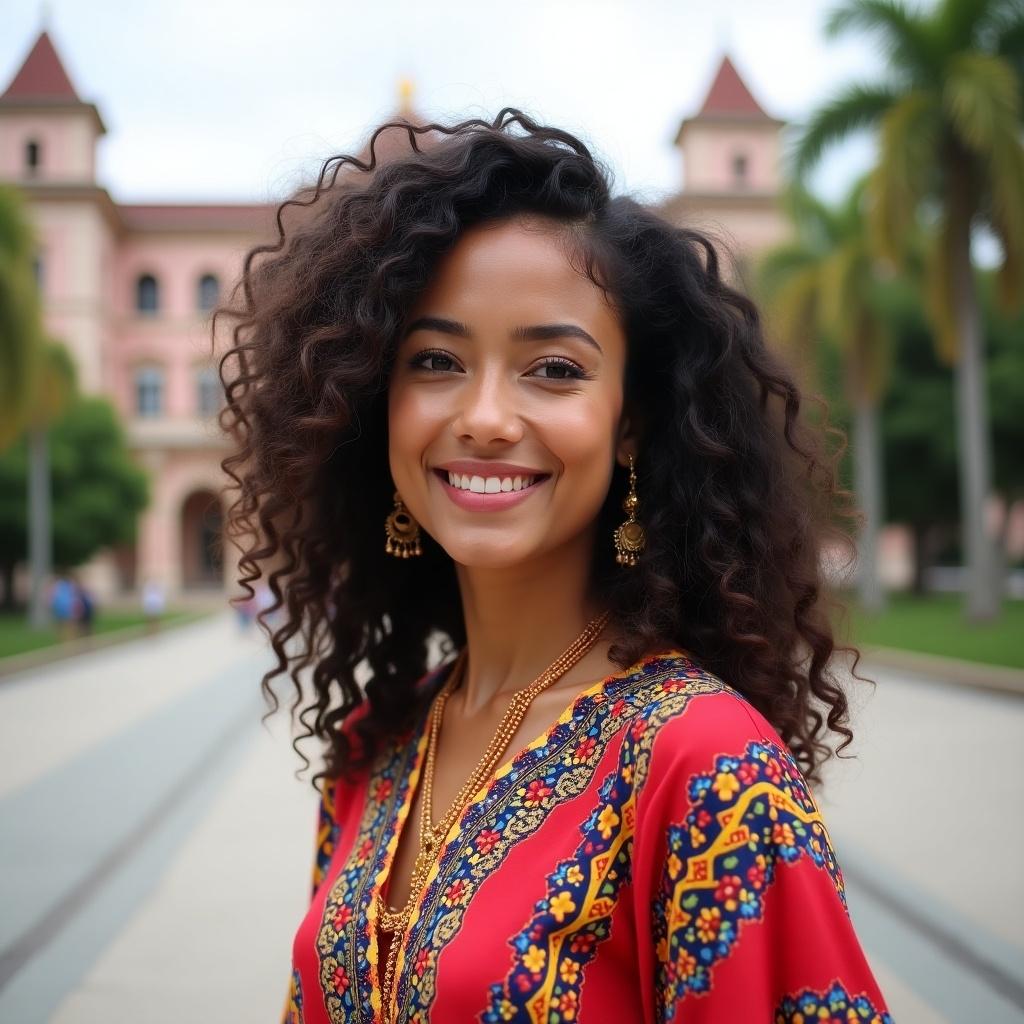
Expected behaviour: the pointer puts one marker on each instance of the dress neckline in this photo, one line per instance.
(420, 736)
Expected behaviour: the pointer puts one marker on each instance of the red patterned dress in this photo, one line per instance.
(655, 856)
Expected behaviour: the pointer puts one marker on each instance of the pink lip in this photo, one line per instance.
(479, 467)
(486, 502)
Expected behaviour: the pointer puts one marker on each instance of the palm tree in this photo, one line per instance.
(951, 158)
(823, 285)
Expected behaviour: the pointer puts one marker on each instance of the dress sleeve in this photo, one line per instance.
(741, 909)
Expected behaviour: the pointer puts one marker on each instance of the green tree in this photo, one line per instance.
(98, 490)
(950, 154)
(37, 381)
(21, 322)
(824, 284)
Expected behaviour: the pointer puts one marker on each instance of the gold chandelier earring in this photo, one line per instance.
(403, 532)
(630, 538)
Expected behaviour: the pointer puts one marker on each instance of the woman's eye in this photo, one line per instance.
(440, 362)
(560, 369)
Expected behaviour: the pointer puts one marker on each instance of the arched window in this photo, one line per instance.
(147, 294)
(33, 157)
(209, 394)
(149, 391)
(208, 293)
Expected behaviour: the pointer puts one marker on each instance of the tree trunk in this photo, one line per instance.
(868, 484)
(40, 534)
(973, 441)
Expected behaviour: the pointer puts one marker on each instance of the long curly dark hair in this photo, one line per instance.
(738, 490)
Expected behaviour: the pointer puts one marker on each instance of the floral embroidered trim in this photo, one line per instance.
(293, 1010)
(327, 834)
(343, 941)
(552, 770)
(836, 1006)
(747, 814)
(575, 916)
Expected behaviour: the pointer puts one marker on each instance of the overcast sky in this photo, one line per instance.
(209, 100)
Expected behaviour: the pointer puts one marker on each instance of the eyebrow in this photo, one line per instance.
(536, 332)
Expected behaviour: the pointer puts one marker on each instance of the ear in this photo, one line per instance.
(626, 441)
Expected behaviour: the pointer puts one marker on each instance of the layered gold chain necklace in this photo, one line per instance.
(397, 921)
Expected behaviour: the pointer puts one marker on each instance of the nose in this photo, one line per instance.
(486, 409)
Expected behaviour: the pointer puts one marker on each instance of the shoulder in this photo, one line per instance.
(694, 726)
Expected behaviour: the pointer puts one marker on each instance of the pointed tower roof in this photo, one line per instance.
(728, 100)
(42, 84)
(729, 95)
(42, 75)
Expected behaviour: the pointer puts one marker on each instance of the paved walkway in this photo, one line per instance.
(156, 847)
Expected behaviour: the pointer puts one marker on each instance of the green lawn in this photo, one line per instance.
(935, 625)
(17, 638)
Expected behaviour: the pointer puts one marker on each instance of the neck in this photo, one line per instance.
(520, 619)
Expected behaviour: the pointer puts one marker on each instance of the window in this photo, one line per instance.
(147, 295)
(209, 394)
(739, 169)
(149, 391)
(33, 157)
(208, 293)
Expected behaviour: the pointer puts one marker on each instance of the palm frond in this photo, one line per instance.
(960, 23)
(859, 106)
(844, 284)
(982, 101)
(794, 307)
(781, 263)
(908, 152)
(906, 37)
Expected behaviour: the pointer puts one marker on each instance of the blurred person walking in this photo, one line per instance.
(64, 606)
(85, 607)
(153, 603)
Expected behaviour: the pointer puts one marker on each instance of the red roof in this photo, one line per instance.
(185, 217)
(729, 95)
(41, 76)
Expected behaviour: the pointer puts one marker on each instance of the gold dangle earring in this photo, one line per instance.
(403, 532)
(630, 538)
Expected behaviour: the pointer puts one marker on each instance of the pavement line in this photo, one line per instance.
(34, 939)
(890, 898)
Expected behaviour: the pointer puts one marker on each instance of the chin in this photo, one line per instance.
(489, 554)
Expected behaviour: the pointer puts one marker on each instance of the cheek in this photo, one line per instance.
(411, 419)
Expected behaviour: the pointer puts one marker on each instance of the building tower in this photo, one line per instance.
(731, 169)
(48, 139)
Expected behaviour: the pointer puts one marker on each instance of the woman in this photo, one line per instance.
(489, 415)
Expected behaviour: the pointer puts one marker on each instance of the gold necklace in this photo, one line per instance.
(431, 835)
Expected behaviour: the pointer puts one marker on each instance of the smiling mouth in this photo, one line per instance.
(534, 478)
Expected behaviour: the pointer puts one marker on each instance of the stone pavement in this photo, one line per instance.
(156, 847)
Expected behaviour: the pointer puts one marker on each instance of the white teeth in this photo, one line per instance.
(490, 484)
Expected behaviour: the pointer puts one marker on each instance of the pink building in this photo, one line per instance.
(128, 289)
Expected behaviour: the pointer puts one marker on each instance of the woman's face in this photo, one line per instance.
(505, 402)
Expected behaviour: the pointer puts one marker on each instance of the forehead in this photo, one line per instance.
(517, 269)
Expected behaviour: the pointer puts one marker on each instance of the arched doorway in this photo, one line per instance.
(202, 545)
